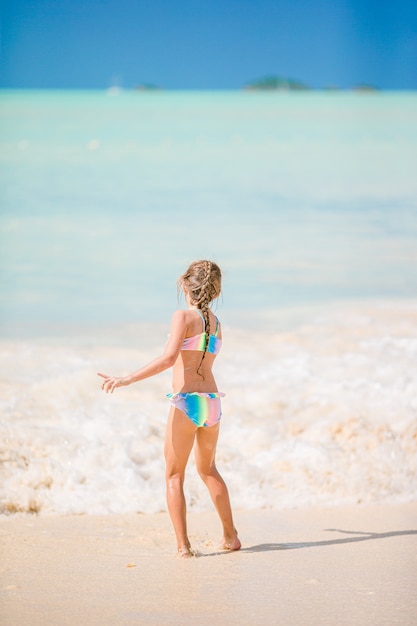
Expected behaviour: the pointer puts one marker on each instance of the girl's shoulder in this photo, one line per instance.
(183, 317)
(182, 313)
(186, 316)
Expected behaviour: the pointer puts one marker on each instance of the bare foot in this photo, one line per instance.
(185, 553)
(231, 543)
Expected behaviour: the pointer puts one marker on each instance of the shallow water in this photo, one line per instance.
(308, 203)
(301, 199)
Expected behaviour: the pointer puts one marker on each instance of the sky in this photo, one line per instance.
(207, 44)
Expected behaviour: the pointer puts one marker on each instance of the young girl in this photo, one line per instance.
(194, 418)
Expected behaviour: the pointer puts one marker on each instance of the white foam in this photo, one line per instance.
(325, 414)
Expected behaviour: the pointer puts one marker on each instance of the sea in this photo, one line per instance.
(307, 201)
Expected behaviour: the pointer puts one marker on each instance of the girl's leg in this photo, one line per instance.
(179, 441)
(205, 451)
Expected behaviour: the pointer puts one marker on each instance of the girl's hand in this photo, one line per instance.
(111, 382)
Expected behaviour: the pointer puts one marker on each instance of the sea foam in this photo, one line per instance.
(324, 413)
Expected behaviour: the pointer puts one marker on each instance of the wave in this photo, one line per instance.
(324, 413)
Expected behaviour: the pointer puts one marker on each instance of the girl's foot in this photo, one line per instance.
(185, 552)
(231, 543)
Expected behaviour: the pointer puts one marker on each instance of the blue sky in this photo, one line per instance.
(207, 44)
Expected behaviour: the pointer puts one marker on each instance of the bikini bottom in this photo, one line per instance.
(203, 409)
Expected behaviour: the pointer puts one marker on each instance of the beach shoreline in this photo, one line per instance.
(352, 565)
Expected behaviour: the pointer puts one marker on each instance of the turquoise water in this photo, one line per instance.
(301, 198)
(308, 203)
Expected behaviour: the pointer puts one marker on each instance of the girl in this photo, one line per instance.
(195, 340)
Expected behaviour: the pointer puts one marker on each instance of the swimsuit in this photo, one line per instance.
(198, 342)
(203, 409)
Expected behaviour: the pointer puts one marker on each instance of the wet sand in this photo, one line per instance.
(343, 565)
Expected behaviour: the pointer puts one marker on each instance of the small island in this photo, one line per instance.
(279, 83)
(146, 87)
(365, 88)
(276, 83)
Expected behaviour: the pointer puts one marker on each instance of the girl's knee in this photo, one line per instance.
(173, 475)
(207, 471)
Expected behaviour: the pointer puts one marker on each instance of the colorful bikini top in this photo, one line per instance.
(198, 342)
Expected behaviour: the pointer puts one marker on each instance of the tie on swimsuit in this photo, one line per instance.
(203, 409)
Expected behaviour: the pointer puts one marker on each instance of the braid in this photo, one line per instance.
(204, 302)
(202, 280)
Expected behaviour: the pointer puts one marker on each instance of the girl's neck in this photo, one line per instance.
(189, 303)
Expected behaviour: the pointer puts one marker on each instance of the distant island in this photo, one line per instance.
(365, 88)
(276, 83)
(146, 87)
(271, 83)
(280, 83)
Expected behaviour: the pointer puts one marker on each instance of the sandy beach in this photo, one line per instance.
(343, 565)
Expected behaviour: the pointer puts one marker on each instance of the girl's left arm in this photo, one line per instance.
(160, 364)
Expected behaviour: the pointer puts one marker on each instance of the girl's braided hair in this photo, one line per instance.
(202, 281)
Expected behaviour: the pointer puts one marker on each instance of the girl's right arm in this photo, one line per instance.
(160, 364)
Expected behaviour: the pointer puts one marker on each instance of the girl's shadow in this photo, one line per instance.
(359, 536)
